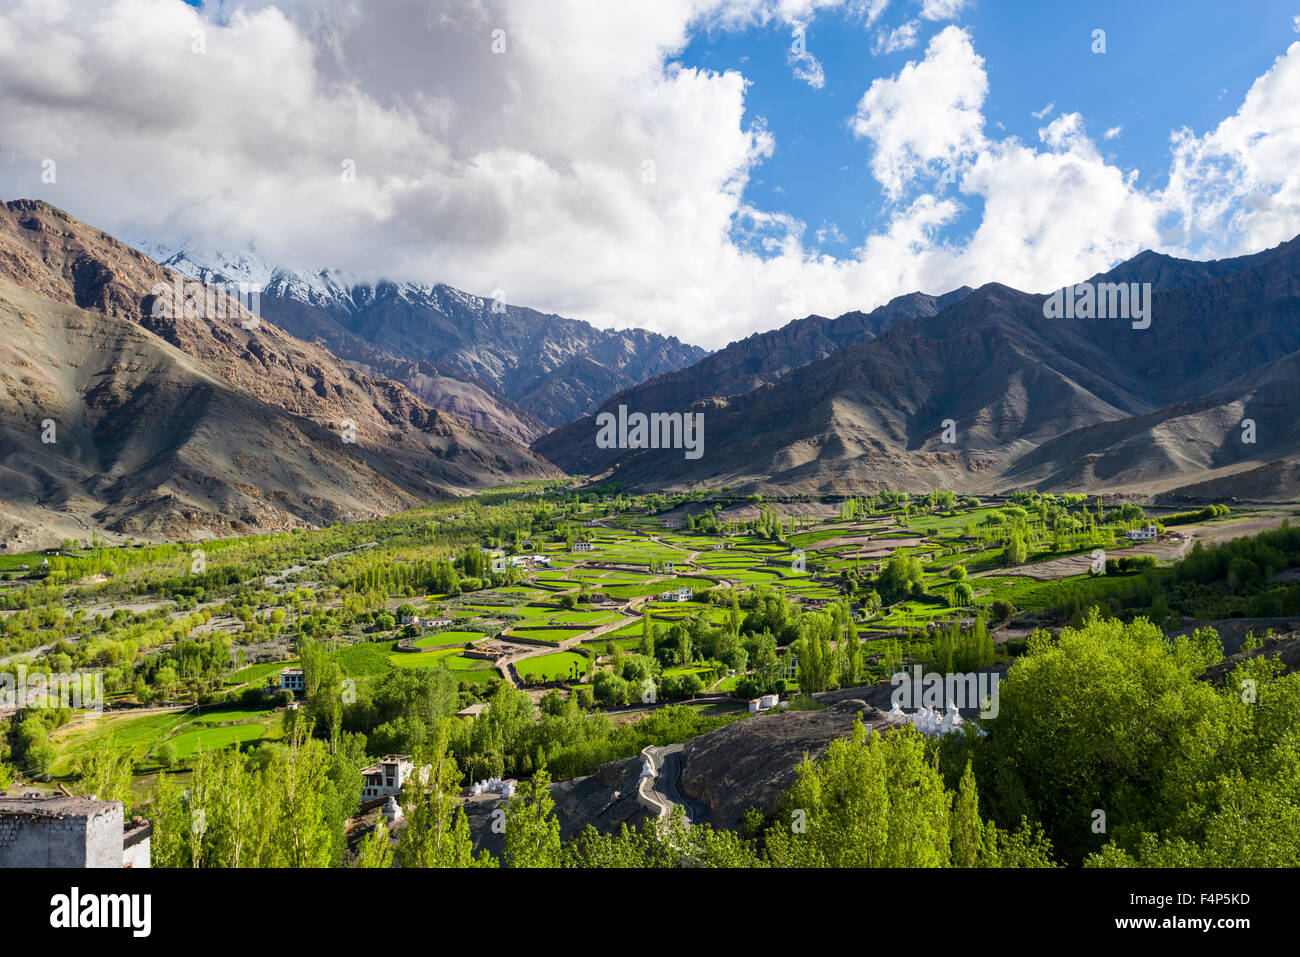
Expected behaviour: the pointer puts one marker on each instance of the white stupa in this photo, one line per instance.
(392, 810)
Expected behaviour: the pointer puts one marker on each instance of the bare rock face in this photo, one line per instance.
(120, 417)
(750, 763)
(604, 799)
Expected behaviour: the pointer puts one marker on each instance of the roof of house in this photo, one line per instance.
(57, 807)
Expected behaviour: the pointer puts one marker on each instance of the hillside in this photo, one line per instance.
(742, 366)
(170, 425)
(1060, 404)
(552, 368)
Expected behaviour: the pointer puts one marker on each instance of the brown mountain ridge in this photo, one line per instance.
(168, 426)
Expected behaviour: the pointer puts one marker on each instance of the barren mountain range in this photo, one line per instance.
(451, 347)
(120, 416)
(741, 367)
(987, 394)
(345, 401)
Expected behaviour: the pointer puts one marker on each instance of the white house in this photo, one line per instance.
(1148, 534)
(386, 778)
(681, 594)
(426, 622)
(583, 546)
(291, 679)
(673, 523)
(766, 703)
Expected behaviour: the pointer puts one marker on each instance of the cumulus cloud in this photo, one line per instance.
(1237, 188)
(929, 112)
(556, 152)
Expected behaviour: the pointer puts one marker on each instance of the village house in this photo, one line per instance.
(681, 594)
(387, 777)
(1148, 534)
(291, 679)
(582, 546)
(420, 622)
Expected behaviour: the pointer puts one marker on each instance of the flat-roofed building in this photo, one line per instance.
(65, 831)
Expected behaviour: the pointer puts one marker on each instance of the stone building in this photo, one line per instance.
(70, 832)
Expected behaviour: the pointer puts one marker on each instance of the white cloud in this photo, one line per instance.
(1237, 189)
(1113, 132)
(527, 171)
(829, 233)
(806, 66)
(1039, 114)
(900, 38)
(942, 9)
(929, 112)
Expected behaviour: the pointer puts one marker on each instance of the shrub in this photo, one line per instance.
(1001, 609)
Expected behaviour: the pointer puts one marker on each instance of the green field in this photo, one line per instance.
(552, 667)
(448, 638)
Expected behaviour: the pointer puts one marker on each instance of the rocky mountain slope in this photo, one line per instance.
(1062, 404)
(170, 422)
(747, 364)
(551, 369)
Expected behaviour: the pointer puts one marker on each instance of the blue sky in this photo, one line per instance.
(517, 169)
(1167, 65)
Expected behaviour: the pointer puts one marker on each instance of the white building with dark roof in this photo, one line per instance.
(387, 777)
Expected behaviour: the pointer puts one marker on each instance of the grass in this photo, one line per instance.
(451, 637)
(365, 659)
(552, 635)
(189, 730)
(257, 674)
(552, 667)
(654, 588)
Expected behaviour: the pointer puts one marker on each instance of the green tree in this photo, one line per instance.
(873, 800)
(532, 831)
(437, 832)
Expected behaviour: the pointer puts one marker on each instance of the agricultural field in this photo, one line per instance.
(885, 584)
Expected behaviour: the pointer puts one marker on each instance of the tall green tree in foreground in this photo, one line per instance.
(1111, 737)
(436, 833)
(532, 830)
